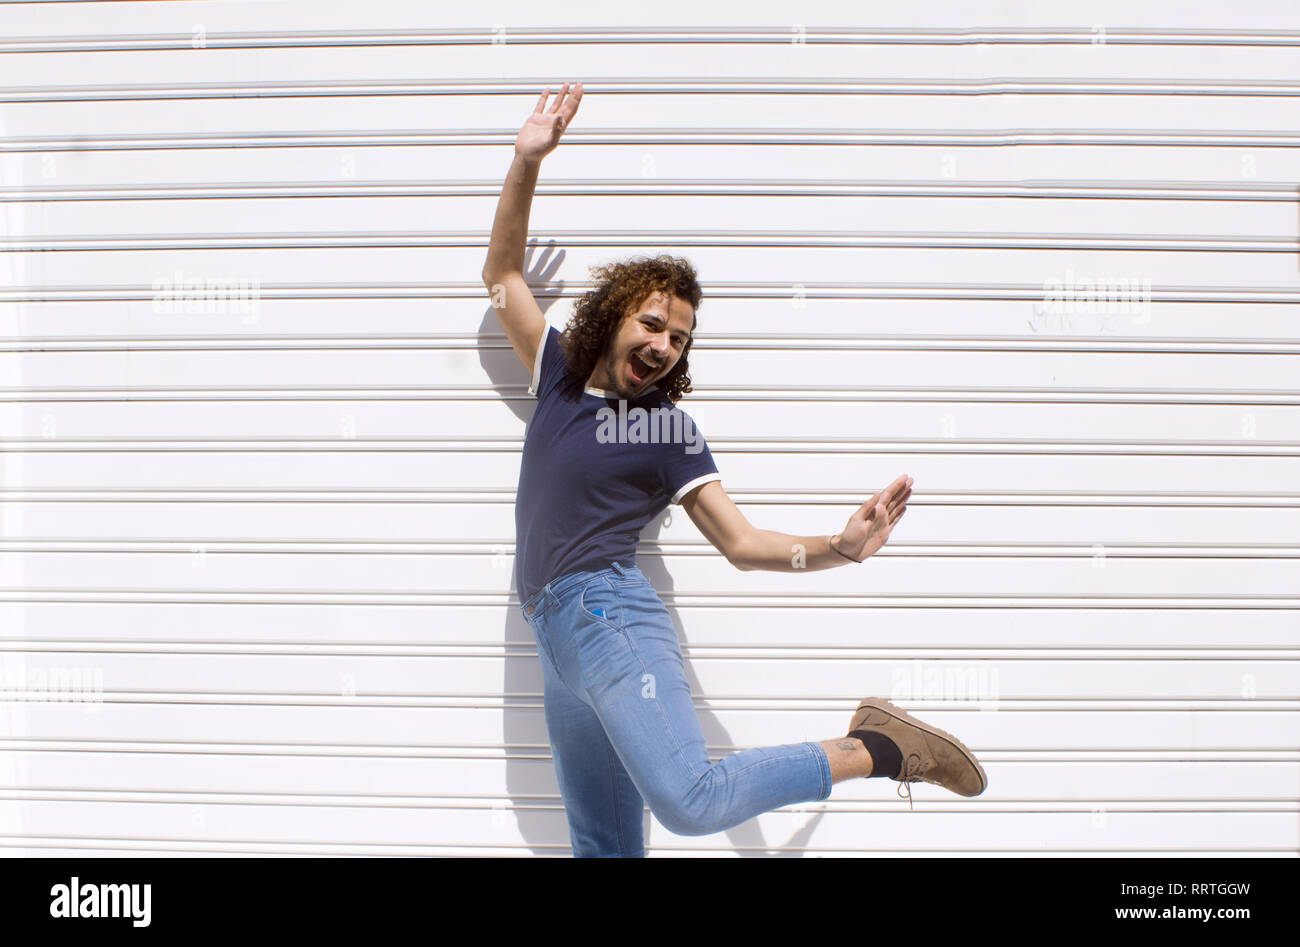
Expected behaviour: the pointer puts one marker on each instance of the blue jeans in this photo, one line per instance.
(623, 729)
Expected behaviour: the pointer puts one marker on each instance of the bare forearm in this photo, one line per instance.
(510, 226)
(779, 552)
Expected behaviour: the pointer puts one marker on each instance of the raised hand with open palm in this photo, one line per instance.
(542, 131)
(869, 527)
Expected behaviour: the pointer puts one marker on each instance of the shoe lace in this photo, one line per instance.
(912, 772)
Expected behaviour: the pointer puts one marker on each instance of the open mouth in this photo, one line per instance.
(640, 369)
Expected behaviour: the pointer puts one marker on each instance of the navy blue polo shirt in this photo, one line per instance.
(595, 469)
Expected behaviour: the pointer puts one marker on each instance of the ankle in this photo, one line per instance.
(884, 752)
(848, 757)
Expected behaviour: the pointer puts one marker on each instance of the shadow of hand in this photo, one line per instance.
(540, 265)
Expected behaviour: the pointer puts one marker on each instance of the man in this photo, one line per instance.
(606, 451)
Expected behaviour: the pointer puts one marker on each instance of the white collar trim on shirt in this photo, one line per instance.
(602, 393)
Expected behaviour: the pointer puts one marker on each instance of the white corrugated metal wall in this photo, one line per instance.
(255, 588)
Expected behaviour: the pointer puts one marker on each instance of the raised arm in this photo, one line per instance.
(747, 547)
(503, 271)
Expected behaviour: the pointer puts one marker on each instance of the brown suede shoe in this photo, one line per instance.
(929, 753)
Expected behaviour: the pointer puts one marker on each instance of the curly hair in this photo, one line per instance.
(619, 287)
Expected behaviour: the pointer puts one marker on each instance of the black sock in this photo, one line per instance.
(886, 760)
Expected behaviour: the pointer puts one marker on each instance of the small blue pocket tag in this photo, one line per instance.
(598, 611)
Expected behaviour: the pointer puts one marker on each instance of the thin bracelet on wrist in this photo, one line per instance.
(832, 545)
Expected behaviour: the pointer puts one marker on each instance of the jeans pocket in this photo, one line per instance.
(603, 652)
(600, 601)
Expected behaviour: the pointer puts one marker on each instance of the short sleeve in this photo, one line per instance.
(688, 464)
(548, 364)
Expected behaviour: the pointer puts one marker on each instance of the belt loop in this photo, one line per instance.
(618, 567)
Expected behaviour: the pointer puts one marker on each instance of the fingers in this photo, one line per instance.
(900, 495)
(571, 107)
(887, 521)
(563, 107)
(541, 100)
(566, 100)
(559, 99)
(900, 500)
(890, 514)
(893, 496)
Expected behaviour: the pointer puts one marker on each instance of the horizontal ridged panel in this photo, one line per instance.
(1064, 365)
(285, 543)
(853, 215)
(911, 628)
(344, 160)
(436, 316)
(887, 832)
(433, 774)
(265, 676)
(1263, 416)
(947, 524)
(489, 727)
(1083, 572)
(331, 465)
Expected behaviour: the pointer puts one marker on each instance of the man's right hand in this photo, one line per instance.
(542, 131)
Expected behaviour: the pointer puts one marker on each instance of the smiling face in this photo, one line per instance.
(647, 345)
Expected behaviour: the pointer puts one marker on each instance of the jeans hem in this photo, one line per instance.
(824, 763)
